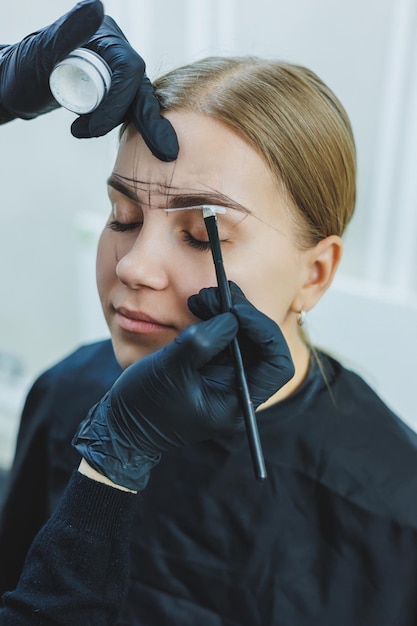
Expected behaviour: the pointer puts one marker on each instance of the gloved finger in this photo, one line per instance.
(80, 128)
(197, 345)
(53, 43)
(157, 132)
(207, 302)
(112, 111)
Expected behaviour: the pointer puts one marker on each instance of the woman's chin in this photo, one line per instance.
(127, 355)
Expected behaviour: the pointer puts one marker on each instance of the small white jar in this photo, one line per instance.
(80, 81)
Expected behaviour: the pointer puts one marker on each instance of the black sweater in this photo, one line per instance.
(77, 568)
(329, 538)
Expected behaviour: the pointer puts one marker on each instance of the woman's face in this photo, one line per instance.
(150, 261)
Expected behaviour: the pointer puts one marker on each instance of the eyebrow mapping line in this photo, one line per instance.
(174, 199)
(215, 208)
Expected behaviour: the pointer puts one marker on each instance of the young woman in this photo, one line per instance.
(77, 567)
(330, 537)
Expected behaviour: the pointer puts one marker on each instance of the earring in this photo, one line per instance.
(301, 316)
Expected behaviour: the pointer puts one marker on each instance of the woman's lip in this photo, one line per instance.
(139, 322)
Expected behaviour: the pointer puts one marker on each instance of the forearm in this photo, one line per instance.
(88, 471)
(77, 568)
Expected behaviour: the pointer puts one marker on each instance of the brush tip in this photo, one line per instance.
(210, 209)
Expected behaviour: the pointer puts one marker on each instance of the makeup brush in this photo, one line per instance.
(210, 220)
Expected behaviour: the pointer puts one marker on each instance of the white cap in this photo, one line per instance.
(80, 82)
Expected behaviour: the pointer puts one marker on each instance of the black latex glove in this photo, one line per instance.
(265, 353)
(184, 393)
(26, 66)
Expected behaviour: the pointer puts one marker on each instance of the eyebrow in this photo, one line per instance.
(175, 200)
(114, 182)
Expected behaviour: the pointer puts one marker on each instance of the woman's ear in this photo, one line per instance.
(321, 264)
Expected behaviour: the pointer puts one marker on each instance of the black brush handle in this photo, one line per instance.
(246, 402)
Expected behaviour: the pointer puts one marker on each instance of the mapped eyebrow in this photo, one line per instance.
(191, 199)
(175, 198)
(117, 184)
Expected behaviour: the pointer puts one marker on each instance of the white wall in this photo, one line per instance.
(365, 51)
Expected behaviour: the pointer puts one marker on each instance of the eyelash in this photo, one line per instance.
(119, 227)
(197, 244)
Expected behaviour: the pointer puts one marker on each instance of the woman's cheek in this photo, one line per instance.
(106, 260)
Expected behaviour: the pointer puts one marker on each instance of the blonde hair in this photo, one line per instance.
(291, 118)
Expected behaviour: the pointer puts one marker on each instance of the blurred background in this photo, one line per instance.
(53, 195)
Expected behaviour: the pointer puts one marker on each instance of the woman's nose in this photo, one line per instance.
(145, 264)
